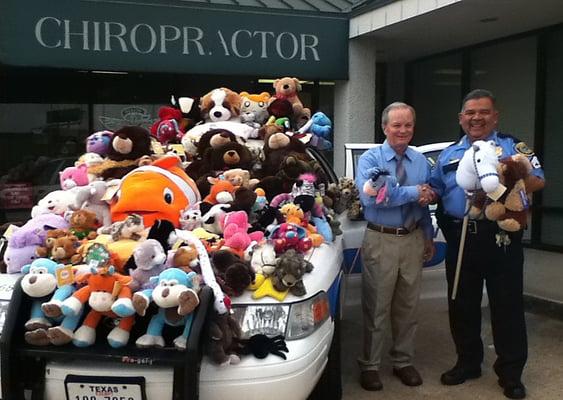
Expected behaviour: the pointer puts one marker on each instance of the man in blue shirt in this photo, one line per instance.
(486, 258)
(397, 240)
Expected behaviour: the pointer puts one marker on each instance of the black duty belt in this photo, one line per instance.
(474, 225)
(388, 229)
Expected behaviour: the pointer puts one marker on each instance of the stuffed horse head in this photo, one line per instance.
(478, 167)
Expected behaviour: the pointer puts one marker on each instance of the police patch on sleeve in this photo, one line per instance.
(535, 162)
(523, 149)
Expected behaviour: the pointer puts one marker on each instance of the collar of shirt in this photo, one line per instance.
(465, 143)
(389, 153)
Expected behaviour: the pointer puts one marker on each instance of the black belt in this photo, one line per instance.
(473, 225)
(388, 229)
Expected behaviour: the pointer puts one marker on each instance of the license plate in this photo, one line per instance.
(80, 387)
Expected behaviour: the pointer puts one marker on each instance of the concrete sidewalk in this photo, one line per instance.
(543, 375)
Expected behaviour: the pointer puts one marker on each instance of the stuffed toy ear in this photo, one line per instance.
(26, 269)
(153, 280)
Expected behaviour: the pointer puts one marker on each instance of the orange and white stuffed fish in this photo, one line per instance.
(157, 191)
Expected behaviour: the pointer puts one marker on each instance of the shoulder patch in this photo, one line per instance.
(523, 148)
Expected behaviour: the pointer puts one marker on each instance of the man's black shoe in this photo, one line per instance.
(408, 375)
(370, 380)
(513, 390)
(458, 374)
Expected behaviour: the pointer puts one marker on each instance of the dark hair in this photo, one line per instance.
(479, 94)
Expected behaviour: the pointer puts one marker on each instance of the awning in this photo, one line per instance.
(178, 36)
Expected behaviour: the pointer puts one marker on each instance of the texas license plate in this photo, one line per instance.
(80, 387)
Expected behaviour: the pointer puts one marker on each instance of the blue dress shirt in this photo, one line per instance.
(443, 174)
(389, 212)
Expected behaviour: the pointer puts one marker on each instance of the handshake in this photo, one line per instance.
(426, 195)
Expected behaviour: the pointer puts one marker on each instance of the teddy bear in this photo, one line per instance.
(46, 324)
(56, 202)
(24, 241)
(62, 247)
(209, 141)
(108, 295)
(128, 145)
(239, 177)
(99, 142)
(230, 155)
(287, 89)
(233, 273)
(291, 266)
(276, 147)
(511, 209)
(176, 299)
(91, 198)
(83, 224)
(254, 109)
(74, 176)
(150, 260)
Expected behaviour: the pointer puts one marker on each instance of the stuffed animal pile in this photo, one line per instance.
(134, 225)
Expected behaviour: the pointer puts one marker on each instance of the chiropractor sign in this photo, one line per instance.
(172, 37)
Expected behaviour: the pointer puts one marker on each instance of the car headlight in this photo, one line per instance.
(3, 313)
(294, 321)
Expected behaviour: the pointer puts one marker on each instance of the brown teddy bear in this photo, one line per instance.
(233, 274)
(62, 249)
(276, 147)
(129, 144)
(287, 89)
(228, 156)
(83, 224)
(511, 209)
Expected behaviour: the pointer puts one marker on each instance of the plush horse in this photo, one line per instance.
(478, 167)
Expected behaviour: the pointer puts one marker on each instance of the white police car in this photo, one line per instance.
(310, 324)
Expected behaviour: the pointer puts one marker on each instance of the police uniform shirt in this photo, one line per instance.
(443, 175)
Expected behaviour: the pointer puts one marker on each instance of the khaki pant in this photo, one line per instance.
(392, 268)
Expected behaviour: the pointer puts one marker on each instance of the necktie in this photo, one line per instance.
(407, 211)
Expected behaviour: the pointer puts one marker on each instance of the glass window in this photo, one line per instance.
(552, 220)
(513, 83)
(436, 88)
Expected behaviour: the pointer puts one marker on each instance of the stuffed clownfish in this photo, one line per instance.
(157, 191)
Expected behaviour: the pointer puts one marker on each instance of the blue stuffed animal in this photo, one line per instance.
(40, 281)
(175, 295)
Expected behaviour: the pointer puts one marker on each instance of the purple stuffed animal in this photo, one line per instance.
(99, 142)
(25, 240)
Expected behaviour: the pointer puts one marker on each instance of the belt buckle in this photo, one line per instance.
(472, 226)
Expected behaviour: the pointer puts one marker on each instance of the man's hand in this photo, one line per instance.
(428, 250)
(426, 195)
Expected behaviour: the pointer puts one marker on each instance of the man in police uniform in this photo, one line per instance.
(489, 255)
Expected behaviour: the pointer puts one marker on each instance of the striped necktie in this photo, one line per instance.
(407, 211)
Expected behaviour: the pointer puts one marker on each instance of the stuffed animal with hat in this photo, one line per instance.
(170, 126)
(46, 324)
(176, 299)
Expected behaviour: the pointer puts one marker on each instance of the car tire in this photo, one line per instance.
(329, 386)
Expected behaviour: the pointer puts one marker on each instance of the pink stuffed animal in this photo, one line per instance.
(74, 176)
(235, 231)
